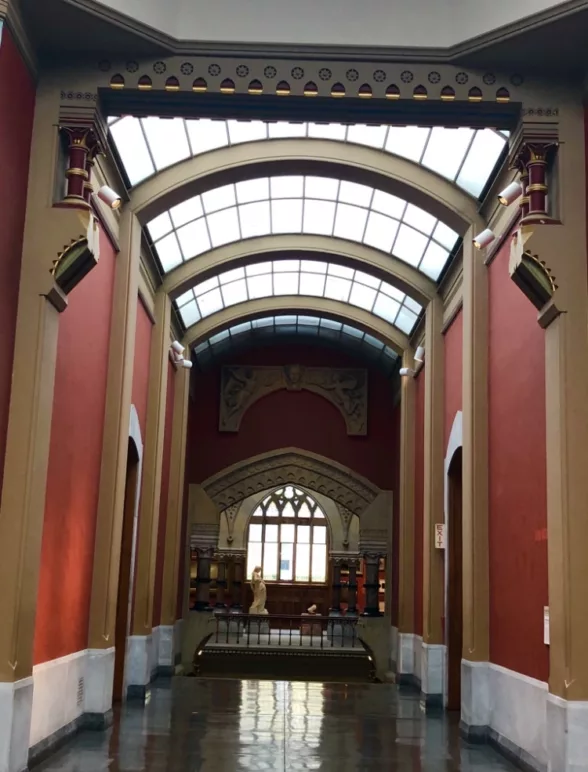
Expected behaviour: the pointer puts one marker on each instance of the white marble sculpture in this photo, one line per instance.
(259, 592)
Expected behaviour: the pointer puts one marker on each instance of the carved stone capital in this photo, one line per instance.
(346, 388)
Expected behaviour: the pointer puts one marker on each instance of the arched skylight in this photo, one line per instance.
(313, 205)
(316, 327)
(311, 278)
(464, 156)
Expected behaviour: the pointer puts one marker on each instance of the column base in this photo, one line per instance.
(408, 664)
(567, 735)
(139, 666)
(432, 675)
(16, 707)
(475, 698)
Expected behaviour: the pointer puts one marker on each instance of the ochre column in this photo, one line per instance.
(175, 499)
(146, 554)
(116, 436)
(433, 563)
(475, 454)
(407, 489)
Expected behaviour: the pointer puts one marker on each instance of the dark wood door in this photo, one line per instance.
(125, 571)
(455, 584)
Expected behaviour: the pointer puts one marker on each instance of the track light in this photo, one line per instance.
(484, 239)
(177, 347)
(419, 355)
(109, 196)
(187, 364)
(510, 193)
(407, 372)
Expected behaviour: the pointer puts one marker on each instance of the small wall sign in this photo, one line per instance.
(546, 625)
(440, 536)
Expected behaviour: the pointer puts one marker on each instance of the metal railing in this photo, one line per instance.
(304, 631)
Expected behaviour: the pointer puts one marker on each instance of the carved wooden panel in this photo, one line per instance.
(345, 388)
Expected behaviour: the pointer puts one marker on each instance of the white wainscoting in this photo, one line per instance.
(140, 662)
(433, 664)
(16, 702)
(512, 705)
(409, 654)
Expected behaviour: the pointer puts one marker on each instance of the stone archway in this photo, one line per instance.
(291, 465)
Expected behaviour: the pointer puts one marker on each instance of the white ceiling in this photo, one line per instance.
(388, 23)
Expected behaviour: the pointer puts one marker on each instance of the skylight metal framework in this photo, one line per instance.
(464, 156)
(316, 328)
(313, 278)
(296, 204)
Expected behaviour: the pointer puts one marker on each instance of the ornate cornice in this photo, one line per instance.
(346, 389)
(295, 466)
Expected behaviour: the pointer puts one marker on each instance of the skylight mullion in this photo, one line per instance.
(187, 133)
(148, 145)
(466, 154)
(238, 208)
(336, 207)
(400, 224)
(425, 146)
(385, 143)
(303, 203)
(369, 210)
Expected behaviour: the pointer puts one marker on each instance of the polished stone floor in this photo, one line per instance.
(227, 725)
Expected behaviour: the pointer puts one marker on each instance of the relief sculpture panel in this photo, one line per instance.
(346, 388)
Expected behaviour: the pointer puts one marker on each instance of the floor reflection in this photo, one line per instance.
(226, 725)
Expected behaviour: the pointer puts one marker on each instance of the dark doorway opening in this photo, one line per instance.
(125, 572)
(454, 583)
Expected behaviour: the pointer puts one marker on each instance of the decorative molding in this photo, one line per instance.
(345, 388)
(295, 466)
(230, 514)
(346, 515)
(373, 541)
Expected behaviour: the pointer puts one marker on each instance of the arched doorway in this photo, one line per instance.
(454, 614)
(125, 571)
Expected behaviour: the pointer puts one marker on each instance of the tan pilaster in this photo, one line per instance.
(433, 562)
(152, 465)
(475, 454)
(174, 544)
(407, 488)
(116, 436)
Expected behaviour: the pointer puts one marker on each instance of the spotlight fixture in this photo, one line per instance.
(178, 348)
(510, 193)
(407, 372)
(187, 364)
(110, 197)
(419, 355)
(484, 239)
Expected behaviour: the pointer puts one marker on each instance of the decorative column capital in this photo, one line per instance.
(532, 147)
(85, 143)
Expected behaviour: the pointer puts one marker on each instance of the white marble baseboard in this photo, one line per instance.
(567, 735)
(433, 659)
(409, 655)
(163, 646)
(16, 705)
(511, 706)
(99, 680)
(140, 662)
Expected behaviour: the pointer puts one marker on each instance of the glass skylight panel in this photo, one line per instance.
(300, 277)
(331, 207)
(464, 156)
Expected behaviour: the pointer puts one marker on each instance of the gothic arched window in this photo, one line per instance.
(288, 538)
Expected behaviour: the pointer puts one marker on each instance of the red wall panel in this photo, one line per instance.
(144, 327)
(74, 464)
(167, 438)
(453, 341)
(393, 589)
(17, 104)
(517, 477)
(287, 418)
(419, 499)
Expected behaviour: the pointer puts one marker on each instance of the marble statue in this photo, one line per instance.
(259, 592)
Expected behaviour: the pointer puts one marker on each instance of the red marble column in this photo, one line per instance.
(83, 147)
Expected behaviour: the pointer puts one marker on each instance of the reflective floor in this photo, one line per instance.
(222, 725)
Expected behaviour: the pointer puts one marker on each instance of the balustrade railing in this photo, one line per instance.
(307, 630)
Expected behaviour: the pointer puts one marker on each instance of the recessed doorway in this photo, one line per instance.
(454, 582)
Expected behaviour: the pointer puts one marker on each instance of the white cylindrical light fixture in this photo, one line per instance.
(419, 355)
(177, 347)
(484, 239)
(109, 196)
(187, 364)
(510, 193)
(406, 371)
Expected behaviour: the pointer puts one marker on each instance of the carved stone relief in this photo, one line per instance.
(231, 513)
(344, 388)
(346, 515)
(280, 468)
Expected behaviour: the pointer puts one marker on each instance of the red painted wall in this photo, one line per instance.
(285, 418)
(393, 589)
(17, 104)
(517, 477)
(419, 499)
(143, 329)
(453, 341)
(74, 464)
(167, 438)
